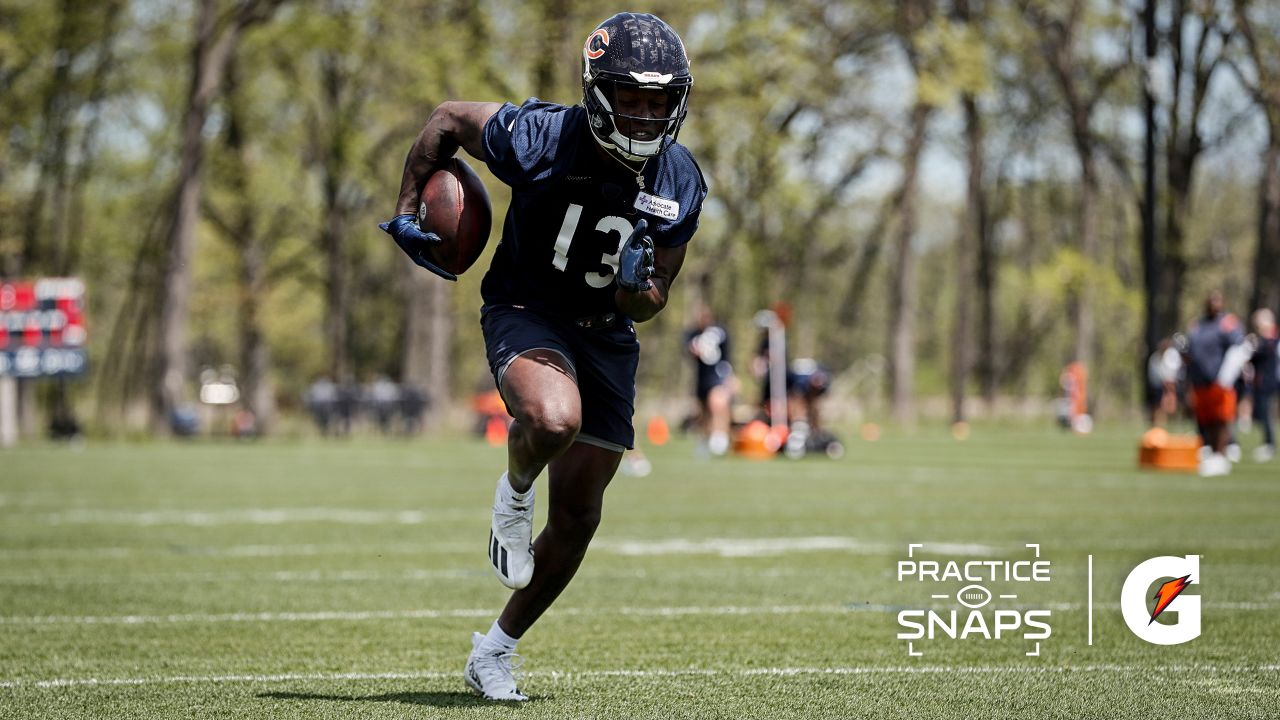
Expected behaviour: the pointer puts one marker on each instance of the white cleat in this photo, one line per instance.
(1264, 453)
(511, 539)
(1234, 453)
(1215, 465)
(718, 443)
(492, 675)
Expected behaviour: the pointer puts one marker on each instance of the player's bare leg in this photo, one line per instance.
(717, 416)
(577, 481)
(540, 390)
(542, 394)
(1215, 463)
(1219, 436)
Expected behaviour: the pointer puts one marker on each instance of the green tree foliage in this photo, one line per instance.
(817, 125)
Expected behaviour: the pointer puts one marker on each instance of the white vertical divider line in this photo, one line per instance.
(1090, 601)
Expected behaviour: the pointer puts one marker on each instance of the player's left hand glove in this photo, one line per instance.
(414, 242)
(635, 266)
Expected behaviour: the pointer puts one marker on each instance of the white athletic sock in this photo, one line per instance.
(509, 492)
(718, 443)
(497, 640)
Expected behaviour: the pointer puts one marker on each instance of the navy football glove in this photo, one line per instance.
(404, 230)
(635, 266)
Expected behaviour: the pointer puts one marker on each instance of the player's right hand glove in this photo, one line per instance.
(415, 243)
(635, 265)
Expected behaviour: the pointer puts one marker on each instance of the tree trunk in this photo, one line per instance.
(1151, 258)
(211, 51)
(986, 366)
(428, 339)
(337, 292)
(1193, 64)
(851, 305)
(336, 116)
(902, 304)
(968, 251)
(1266, 265)
(248, 236)
(43, 237)
(68, 261)
(28, 419)
(1083, 349)
(255, 359)
(45, 227)
(1016, 352)
(1177, 211)
(171, 365)
(1266, 279)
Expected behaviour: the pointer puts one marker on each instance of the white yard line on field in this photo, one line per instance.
(635, 547)
(365, 615)
(764, 547)
(476, 573)
(353, 616)
(247, 516)
(650, 673)
(279, 576)
(252, 551)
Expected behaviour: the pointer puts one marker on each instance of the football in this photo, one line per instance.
(455, 206)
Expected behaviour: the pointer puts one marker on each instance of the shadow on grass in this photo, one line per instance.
(431, 699)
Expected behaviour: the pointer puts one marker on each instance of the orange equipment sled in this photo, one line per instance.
(1161, 451)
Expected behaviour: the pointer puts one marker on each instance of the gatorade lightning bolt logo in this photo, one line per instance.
(1170, 600)
(1167, 593)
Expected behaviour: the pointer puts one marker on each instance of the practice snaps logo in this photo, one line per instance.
(1176, 573)
(976, 619)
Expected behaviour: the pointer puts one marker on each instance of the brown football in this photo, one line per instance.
(455, 206)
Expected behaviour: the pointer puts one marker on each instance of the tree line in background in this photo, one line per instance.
(956, 196)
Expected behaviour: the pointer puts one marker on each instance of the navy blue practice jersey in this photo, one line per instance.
(571, 209)
(1208, 340)
(710, 349)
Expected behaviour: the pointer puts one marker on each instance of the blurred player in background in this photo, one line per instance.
(603, 203)
(1073, 406)
(1216, 355)
(1163, 368)
(773, 322)
(714, 384)
(1265, 380)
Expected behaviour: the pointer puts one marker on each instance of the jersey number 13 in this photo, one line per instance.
(607, 224)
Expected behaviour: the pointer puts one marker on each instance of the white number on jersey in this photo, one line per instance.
(607, 224)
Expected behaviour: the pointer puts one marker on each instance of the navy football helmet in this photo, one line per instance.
(639, 51)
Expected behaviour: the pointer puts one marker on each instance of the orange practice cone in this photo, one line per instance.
(658, 431)
(495, 431)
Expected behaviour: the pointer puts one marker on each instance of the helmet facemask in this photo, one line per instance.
(636, 135)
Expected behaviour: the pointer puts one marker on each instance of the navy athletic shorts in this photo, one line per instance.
(603, 360)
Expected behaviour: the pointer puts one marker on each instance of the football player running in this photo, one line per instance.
(1217, 352)
(603, 202)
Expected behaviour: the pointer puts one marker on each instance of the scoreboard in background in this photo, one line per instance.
(42, 328)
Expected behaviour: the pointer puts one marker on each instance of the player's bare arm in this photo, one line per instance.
(645, 304)
(452, 125)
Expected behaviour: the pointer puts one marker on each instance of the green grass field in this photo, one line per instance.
(343, 580)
